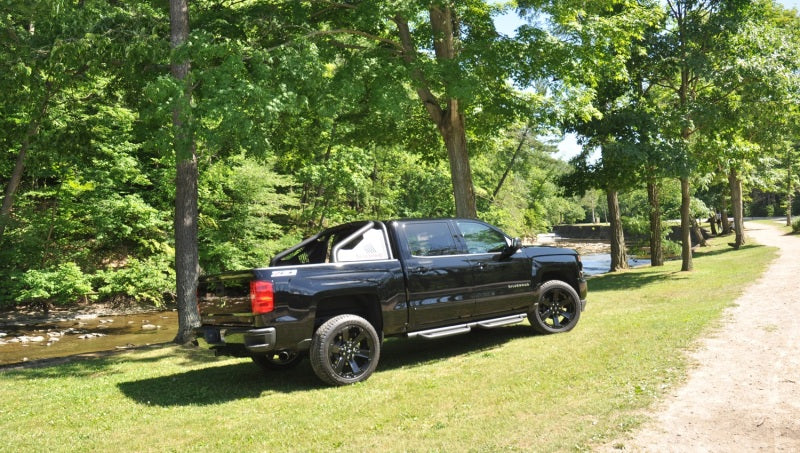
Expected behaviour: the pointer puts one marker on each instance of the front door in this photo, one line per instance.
(499, 285)
(439, 275)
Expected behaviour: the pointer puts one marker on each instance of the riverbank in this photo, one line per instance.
(33, 336)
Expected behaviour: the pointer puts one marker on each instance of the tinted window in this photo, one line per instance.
(482, 239)
(370, 246)
(430, 239)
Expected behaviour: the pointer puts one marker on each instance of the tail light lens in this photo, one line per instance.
(261, 297)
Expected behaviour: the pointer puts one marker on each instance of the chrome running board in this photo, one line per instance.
(447, 331)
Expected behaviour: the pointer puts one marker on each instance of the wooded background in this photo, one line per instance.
(295, 115)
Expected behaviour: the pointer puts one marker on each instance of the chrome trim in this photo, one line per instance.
(441, 332)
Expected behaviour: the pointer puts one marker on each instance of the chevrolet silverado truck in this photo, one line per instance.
(337, 294)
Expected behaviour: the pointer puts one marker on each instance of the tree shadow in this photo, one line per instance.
(229, 382)
(724, 250)
(217, 384)
(627, 280)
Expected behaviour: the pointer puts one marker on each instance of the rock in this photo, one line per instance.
(149, 327)
(3, 334)
(86, 316)
(88, 336)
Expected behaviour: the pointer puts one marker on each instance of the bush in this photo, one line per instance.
(796, 226)
(150, 281)
(62, 285)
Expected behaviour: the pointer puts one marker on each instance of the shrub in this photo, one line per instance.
(62, 285)
(796, 226)
(150, 281)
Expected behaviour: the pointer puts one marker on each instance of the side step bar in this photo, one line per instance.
(441, 332)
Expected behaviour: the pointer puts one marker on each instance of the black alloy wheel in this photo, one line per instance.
(345, 350)
(557, 310)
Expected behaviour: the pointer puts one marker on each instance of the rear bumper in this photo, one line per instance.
(237, 341)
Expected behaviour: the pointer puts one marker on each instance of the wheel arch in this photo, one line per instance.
(364, 305)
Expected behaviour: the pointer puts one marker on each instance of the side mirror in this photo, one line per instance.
(516, 244)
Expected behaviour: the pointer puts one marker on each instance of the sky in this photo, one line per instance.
(569, 147)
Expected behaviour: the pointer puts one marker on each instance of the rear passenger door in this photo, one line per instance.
(439, 274)
(499, 285)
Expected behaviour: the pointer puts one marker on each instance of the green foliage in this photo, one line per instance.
(307, 114)
(796, 226)
(147, 282)
(64, 284)
(242, 205)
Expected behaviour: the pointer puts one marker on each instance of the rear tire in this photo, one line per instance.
(557, 310)
(345, 350)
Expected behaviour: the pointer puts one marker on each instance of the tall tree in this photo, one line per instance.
(187, 267)
(694, 38)
(604, 41)
(450, 55)
(47, 50)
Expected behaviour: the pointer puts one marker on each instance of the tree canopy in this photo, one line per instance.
(296, 115)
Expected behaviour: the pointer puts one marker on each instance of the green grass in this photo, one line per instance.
(505, 389)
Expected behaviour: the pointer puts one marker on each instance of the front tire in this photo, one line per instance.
(345, 350)
(557, 310)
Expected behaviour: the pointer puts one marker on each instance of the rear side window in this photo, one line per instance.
(430, 239)
(370, 247)
(481, 238)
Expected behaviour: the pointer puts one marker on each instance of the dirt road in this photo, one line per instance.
(743, 394)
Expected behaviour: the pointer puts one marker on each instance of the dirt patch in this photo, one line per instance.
(743, 393)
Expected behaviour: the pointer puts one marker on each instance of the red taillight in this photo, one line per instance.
(261, 297)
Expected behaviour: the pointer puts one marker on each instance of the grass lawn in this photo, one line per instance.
(505, 389)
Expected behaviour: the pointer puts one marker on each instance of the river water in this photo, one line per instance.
(25, 339)
(600, 263)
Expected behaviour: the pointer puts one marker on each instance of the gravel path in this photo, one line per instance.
(743, 395)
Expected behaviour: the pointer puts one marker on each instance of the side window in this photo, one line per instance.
(430, 239)
(482, 239)
(370, 247)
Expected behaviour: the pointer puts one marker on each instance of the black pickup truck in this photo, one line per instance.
(335, 295)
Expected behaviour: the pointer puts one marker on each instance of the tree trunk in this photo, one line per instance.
(446, 113)
(19, 165)
(698, 234)
(455, 140)
(686, 227)
(511, 165)
(619, 257)
(187, 267)
(789, 190)
(736, 201)
(656, 251)
(712, 222)
(726, 226)
(13, 185)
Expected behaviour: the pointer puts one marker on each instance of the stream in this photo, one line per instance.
(23, 340)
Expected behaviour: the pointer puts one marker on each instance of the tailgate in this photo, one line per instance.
(224, 300)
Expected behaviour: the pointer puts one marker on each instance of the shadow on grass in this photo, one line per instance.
(219, 384)
(700, 253)
(642, 277)
(215, 385)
